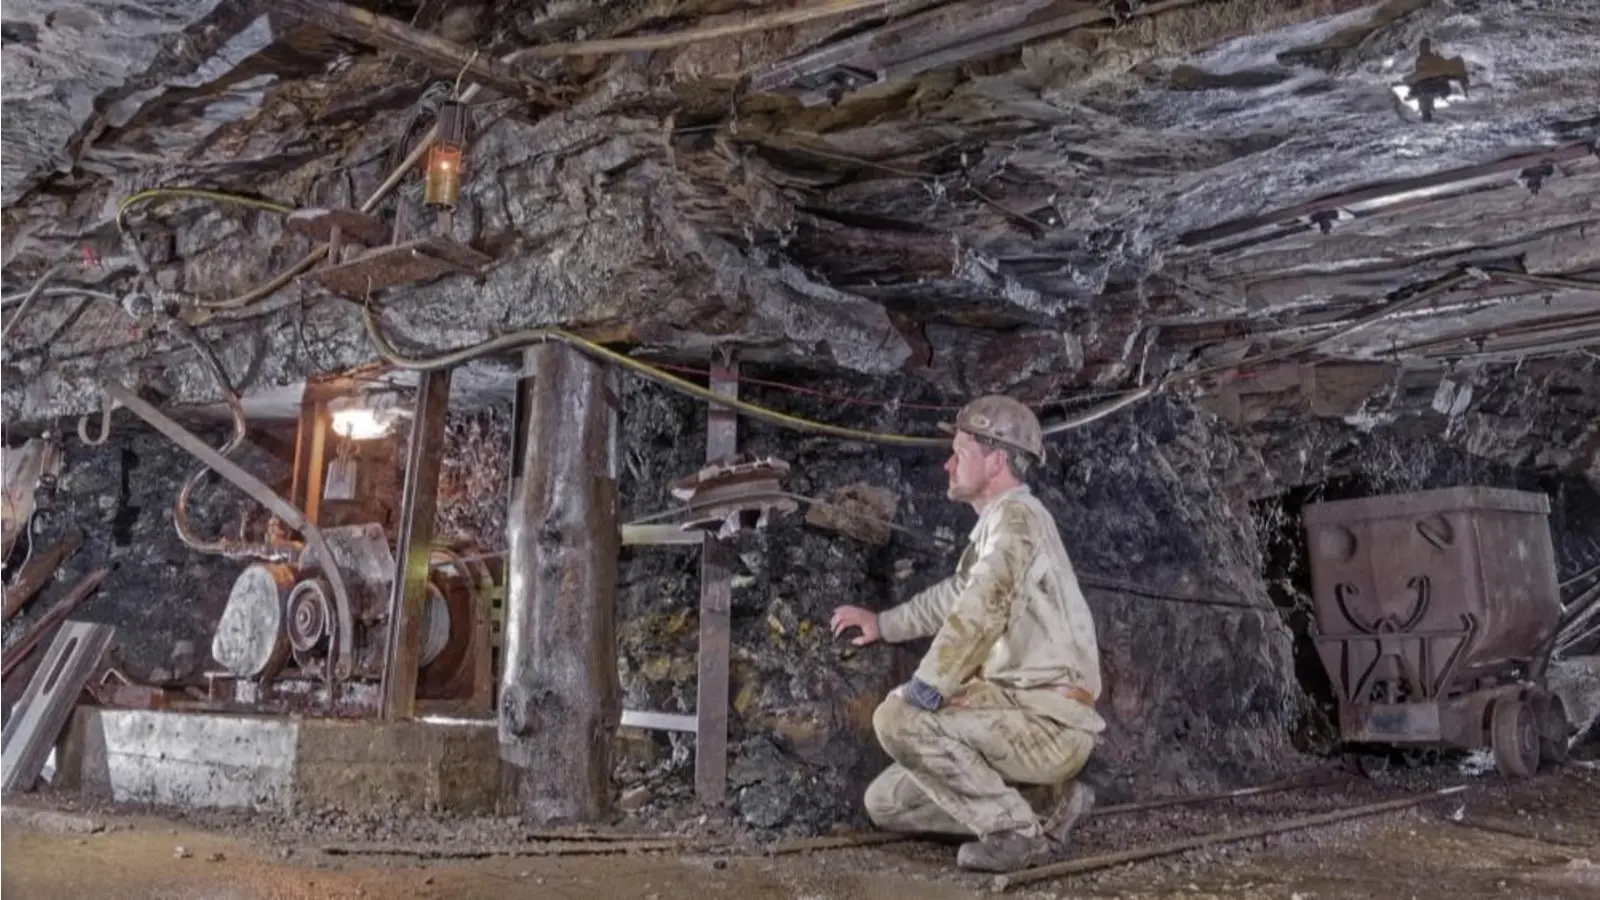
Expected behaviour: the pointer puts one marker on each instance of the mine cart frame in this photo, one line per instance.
(1457, 656)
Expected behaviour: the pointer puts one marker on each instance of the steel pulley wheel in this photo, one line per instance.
(308, 616)
(1514, 729)
(1554, 729)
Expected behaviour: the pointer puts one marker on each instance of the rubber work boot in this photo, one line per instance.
(1072, 808)
(1007, 851)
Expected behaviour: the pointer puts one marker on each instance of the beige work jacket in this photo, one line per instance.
(1012, 615)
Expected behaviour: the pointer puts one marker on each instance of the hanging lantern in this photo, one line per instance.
(445, 157)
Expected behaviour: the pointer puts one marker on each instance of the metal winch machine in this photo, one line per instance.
(287, 644)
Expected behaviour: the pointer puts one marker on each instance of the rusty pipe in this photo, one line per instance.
(219, 546)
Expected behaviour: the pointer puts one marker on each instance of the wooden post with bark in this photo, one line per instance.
(560, 696)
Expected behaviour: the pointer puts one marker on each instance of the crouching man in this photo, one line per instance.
(1006, 693)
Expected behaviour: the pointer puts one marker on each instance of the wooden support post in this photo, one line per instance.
(560, 695)
(418, 507)
(716, 600)
(310, 448)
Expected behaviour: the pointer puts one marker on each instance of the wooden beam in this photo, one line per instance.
(39, 571)
(560, 694)
(716, 602)
(310, 449)
(36, 632)
(660, 721)
(408, 594)
(436, 53)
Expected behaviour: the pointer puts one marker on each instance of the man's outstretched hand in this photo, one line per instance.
(845, 617)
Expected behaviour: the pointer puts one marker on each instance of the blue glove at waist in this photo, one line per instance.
(922, 695)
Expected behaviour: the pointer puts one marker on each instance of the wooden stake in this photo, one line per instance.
(809, 845)
(560, 695)
(436, 851)
(39, 571)
(38, 630)
(418, 506)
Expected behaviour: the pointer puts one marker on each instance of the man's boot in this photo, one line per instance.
(1006, 851)
(1071, 808)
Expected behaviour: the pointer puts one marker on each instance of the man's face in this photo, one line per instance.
(970, 468)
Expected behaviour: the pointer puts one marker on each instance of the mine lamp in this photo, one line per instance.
(445, 157)
(363, 418)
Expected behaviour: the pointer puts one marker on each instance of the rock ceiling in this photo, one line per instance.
(1061, 199)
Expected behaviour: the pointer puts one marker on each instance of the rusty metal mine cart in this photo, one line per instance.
(1435, 618)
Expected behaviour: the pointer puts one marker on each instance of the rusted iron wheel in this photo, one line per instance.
(1554, 730)
(1515, 731)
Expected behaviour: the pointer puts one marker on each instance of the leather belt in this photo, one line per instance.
(1073, 692)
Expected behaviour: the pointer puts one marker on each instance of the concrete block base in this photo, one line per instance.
(274, 763)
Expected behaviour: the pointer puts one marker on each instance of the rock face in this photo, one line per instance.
(1199, 683)
(159, 592)
(1177, 524)
(1196, 694)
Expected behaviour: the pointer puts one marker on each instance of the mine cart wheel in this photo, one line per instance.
(1553, 731)
(1515, 731)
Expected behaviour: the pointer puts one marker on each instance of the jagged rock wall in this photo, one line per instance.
(1175, 521)
(1196, 694)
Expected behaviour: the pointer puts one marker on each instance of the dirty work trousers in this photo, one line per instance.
(954, 769)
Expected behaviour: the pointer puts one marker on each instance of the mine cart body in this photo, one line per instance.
(1435, 616)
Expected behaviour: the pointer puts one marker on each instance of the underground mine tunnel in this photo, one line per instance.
(438, 437)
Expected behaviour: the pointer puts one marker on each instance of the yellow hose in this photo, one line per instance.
(528, 336)
(196, 194)
(538, 335)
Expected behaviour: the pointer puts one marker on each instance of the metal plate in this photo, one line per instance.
(43, 711)
(318, 223)
(1393, 723)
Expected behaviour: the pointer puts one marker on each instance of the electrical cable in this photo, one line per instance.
(317, 253)
(517, 339)
(265, 290)
(813, 392)
(526, 337)
(28, 301)
(196, 194)
(14, 299)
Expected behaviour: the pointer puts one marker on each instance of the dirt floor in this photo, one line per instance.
(1496, 839)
